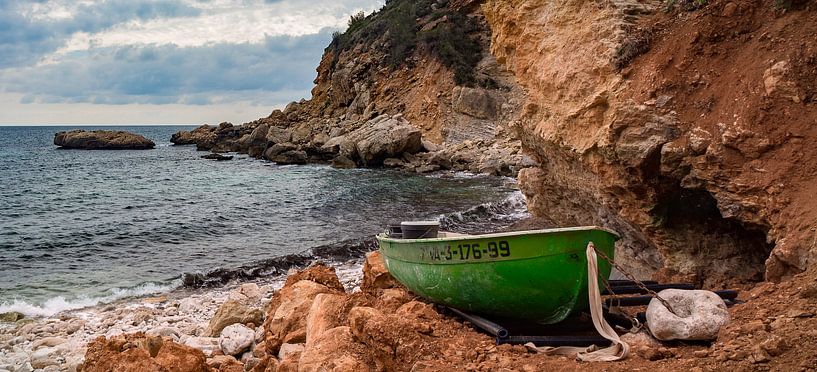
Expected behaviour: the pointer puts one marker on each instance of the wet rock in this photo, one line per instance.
(11, 316)
(393, 163)
(102, 140)
(290, 157)
(204, 133)
(375, 274)
(217, 157)
(342, 162)
(236, 338)
(232, 312)
(700, 315)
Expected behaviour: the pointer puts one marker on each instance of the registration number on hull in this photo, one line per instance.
(462, 252)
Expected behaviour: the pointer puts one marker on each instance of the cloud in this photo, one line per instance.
(162, 74)
(31, 30)
(165, 52)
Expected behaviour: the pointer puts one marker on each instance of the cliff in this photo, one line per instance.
(425, 64)
(685, 126)
(686, 131)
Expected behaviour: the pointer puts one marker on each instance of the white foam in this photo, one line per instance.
(59, 304)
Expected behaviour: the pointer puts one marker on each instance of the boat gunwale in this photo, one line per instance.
(384, 238)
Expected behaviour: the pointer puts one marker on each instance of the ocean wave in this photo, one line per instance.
(487, 216)
(58, 304)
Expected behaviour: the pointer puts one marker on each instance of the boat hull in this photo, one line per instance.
(536, 275)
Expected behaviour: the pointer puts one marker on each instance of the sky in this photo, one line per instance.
(161, 61)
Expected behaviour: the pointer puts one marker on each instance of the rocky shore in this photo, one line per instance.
(336, 318)
(102, 140)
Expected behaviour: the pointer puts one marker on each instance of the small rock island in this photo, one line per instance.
(102, 140)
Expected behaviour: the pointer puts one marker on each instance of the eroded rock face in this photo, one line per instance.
(102, 140)
(660, 151)
(375, 275)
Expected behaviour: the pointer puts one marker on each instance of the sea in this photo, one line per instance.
(79, 228)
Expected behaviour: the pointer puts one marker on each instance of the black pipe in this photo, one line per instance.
(488, 326)
(617, 283)
(645, 300)
(633, 289)
(555, 340)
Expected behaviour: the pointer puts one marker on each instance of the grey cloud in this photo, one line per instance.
(171, 74)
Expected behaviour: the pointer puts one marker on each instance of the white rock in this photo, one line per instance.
(236, 338)
(700, 315)
(47, 342)
(246, 292)
(287, 349)
(44, 357)
(207, 345)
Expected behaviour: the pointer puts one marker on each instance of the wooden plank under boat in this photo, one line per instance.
(538, 275)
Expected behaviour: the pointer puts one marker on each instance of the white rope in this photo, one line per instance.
(592, 353)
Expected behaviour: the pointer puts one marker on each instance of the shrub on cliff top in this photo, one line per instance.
(396, 23)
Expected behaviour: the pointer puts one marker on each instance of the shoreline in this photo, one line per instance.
(183, 312)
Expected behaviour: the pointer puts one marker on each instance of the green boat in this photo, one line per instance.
(537, 275)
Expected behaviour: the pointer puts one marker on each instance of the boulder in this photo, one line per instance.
(217, 157)
(375, 274)
(289, 307)
(325, 313)
(137, 352)
(699, 315)
(337, 350)
(232, 312)
(278, 148)
(279, 135)
(11, 316)
(102, 140)
(343, 162)
(201, 134)
(236, 338)
(378, 139)
(290, 157)
(208, 345)
(474, 102)
(287, 350)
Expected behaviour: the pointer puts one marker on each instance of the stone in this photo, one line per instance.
(232, 312)
(700, 315)
(208, 345)
(11, 316)
(217, 157)
(290, 157)
(326, 312)
(474, 102)
(776, 82)
(217, 361)
(279, 135)
(641, 343)
(375, 274)
(246, 292)
(429, 146)
(393, 163)
(277, 149)
(102, 140)
(729, 9)
(342, 162)
(202, 134)
(287, 349)
(142, 315)
(236, 338)
(380, 138)
(135, 352)
(44, 357)
(337, 350)
(47, 342)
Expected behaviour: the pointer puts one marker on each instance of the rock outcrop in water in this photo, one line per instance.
(102, 140)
